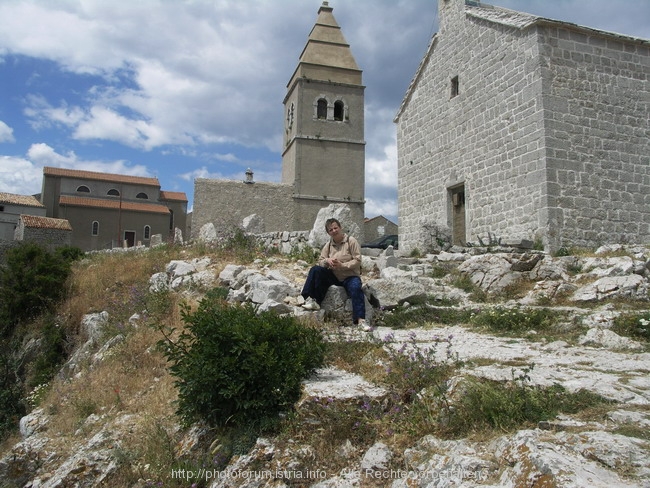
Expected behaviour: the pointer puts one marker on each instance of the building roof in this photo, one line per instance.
(24, 200)
(37, 222)
(177, 196)
(71, 201)
(327, 47)
(92, 175)
(503, 16)
(368, 220)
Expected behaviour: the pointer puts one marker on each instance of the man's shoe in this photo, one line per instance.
(311, 304)
(363, 325)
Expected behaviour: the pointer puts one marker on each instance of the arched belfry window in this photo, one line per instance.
(113, 192)
(339, 109)
(83, 189)
(321, 109)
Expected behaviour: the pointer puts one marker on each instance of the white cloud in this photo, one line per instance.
(6, 133)
(19, 176)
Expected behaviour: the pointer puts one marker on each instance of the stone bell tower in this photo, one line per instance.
(324, 148)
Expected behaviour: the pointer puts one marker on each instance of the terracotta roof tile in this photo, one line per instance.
(173, 195)
(26, 200)
(37, 222)
(92, 175)
(112, 204)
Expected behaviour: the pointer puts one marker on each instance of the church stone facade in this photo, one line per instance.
(525, 128)
(323, 154)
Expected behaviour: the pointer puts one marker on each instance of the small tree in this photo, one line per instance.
(32, 282)
(236, 367)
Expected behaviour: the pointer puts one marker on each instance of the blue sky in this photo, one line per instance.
(184, 89)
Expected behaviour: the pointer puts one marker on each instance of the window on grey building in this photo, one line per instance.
(147, 232)
(338, 110)
(455, 88)
(321, 109)
(2, 208)
(95, 228)
(142, 195)
(83, 189)
(113, 192)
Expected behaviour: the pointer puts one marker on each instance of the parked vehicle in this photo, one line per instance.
(382, 242)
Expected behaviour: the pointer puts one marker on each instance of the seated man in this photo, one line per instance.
(339, 264)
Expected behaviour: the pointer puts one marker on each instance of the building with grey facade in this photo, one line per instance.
(109, 210)
(323, 155)
(12, 206)
(525, 128)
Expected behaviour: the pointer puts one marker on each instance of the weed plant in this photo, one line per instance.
(635, 325)
(514, 320)
(421, 315)
(486, 405)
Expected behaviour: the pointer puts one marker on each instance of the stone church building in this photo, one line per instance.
(525, 128)
(323, 154)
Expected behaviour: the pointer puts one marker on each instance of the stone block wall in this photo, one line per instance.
(227, 203)
(488, 138)
(597, 105)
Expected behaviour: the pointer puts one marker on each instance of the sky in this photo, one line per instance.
(180, 89)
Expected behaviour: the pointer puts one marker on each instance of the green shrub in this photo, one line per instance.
(32, 282)
(236, 367)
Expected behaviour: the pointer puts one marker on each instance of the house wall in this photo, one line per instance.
(548, 134)
(9, 216)
(488, 138)
(112, 225)
(597, 109)
(50, 238)
(227, 203)
(378, 227)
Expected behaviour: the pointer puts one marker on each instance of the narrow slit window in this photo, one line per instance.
(147, 232)
(455, 88)
(95, 228)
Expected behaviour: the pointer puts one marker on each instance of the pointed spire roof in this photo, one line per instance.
(327, 55)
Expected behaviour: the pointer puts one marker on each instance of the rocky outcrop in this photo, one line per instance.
(564, 452)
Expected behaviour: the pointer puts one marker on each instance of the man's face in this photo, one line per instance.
(333, 229)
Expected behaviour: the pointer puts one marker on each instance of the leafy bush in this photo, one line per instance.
(31, 283)
(236, 367)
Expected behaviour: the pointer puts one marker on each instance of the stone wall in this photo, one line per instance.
(285, 242)
(227, 203)
(596, 99)
(547, 134)
(49, 238)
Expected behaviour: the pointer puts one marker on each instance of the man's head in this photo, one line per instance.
(329, 223)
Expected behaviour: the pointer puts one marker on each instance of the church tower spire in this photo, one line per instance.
(324, 148)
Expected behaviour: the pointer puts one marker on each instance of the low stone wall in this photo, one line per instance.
(284, 241)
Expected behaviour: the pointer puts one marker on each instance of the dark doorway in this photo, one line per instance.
(458, 230)
(129, 238)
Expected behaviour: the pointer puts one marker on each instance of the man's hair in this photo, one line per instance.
(329, 222)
